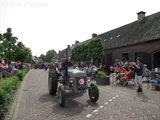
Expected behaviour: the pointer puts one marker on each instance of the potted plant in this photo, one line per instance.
(102, 79)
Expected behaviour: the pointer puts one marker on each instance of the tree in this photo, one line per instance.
(95, 48)
(1, 50)
(83, 52)
(75, 52)
(28, 57)
(0, 37)
(8, 43)
(49, 55)
(42, 56)
(23, 54)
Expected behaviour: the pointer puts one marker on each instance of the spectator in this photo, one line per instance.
(121, 69)
(128, 74)
(138, 73)
(95, 69)
(146, 71)
(105, 69)
(121, 62)
(9, 69)
(126, 67)
(3, 68)
(16, 66)
(111, 69)
(100, 68)
(116, 63)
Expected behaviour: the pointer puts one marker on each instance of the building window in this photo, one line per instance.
(125, 57)
(146, 58)
(156, 60)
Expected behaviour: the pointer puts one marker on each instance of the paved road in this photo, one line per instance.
(115, 103)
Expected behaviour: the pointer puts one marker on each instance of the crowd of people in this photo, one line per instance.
(125, 70)
(8, 69)
(129, 70)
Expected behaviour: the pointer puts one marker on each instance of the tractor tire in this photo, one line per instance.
(93, 92)
(61, 96)
(52, 82)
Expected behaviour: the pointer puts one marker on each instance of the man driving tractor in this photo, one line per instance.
(65, 65)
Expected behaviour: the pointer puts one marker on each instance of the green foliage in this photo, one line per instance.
(101, 74)
(93, 49)
(83, 52)
(42, 56)
(23, 53)
(22, 73)
(8, 42)
(1, 50)
(0, 37)
(10, 50)
(7, 88)
(49, 55)
(73, 55)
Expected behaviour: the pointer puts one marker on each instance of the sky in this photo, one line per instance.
(43, 25)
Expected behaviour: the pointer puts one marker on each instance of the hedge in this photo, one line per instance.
(8, 86)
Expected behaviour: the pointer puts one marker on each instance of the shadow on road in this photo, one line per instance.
(142, 97)
(72, 107)
(46, 98)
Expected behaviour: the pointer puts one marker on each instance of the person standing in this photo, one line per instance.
(138, 73)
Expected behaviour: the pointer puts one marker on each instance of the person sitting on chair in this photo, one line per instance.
(128, 74)
(121, 69)
(146, 71)
(100, 68)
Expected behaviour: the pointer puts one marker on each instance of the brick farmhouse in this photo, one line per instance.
(140, 38)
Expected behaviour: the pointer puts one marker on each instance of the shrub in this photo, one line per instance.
(22, 73)
(7, 89)
(101, 74)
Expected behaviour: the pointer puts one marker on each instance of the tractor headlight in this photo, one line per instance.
(70, 80)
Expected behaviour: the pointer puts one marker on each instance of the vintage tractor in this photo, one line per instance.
(76, 82)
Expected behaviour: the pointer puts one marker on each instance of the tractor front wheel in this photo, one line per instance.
(93, 92)
(61, 96)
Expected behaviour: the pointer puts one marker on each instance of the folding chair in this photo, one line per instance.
(113, 77)
(153, 79)
(132, 82)
(152, 82)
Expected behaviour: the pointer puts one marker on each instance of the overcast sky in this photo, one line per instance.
(43, 25)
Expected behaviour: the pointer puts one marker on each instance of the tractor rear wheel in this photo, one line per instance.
(52, 83)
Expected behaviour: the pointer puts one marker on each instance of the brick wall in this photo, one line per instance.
(150, 47)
